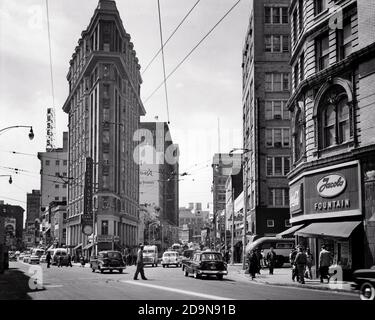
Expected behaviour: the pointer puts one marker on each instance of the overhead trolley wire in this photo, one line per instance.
(192, 50)
(172, 34)
(163, 60)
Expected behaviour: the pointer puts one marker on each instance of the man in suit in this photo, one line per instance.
(140, 264)
(324, 263)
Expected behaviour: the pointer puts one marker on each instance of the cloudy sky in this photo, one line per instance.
(207, 87)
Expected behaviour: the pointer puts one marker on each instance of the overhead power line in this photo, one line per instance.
(192, 50)
(163, 60)
(172, 34)
(50, 56)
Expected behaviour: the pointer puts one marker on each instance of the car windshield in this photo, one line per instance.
(212, 257)
(148, 251)
(113, 255)
(170, 254)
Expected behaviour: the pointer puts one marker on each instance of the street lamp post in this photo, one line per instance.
(31, 132)
(245, 150)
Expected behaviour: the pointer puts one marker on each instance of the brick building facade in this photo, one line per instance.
(332, 179)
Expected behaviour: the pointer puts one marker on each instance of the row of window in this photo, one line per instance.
(278, 137)
(276, 15)
(277, 81)
(57, 186)
(277, 165)
(276, 109)
(276, 43)
(271, 223)
(57, 162)
(58, 199)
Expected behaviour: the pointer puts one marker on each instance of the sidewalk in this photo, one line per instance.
(282, 277)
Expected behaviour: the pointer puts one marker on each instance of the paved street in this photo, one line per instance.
(162, 284)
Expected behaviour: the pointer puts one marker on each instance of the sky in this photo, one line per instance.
(205, 93)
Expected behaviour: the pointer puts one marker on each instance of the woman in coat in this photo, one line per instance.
(253, 264)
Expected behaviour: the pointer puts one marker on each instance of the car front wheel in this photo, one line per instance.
(367, 291)
(219, 276)
(186, 273)
(121, 270)
(196, 275)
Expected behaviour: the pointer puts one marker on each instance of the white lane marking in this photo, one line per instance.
(191, 293)
(53, 285)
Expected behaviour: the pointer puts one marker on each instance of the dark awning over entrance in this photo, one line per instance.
(289, 232)
(330, 229)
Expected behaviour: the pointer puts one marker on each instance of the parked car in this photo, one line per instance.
(107, 260)
(26, 258)
(150, 255)
(206, 263)
(281, 247)
(33, 259)
(364, 281)
(170, 258)
(21, 256)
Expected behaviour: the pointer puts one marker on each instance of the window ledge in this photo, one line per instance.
(346, 145)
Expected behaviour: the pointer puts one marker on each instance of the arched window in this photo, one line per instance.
(334, 117)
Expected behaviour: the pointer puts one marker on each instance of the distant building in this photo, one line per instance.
(159, 179)
(13, 225)
(33, 215)
(54, 174)
(193, 219)
(223, 165)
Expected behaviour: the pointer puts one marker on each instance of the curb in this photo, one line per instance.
(303, 286)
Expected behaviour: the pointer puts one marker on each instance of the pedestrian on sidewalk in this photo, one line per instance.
(69, 260)
(82, 260)
(271, 260)
(259, 258)
(48, 259)
(60, 260)
(309, 263)
(300, 261)
(324, 263)
(263, 263)
(253, 264)
(292, 257)
(140, 264)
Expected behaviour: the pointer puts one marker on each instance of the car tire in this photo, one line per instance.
(219, 276)
(196, 275)
(367, 291)
(93, 270)
(163, 265)
(111, 271)
(121, 270)
(186, 273)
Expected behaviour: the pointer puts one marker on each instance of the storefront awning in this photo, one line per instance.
(330, 229)
(77, 247)
(87, 247)
(289, 232)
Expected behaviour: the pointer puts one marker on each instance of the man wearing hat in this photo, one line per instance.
(140, 264)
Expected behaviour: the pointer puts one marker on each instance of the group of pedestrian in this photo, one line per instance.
(257, 261)
(302, 260)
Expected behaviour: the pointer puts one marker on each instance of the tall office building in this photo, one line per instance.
(159, 177)
(332, 179)
(33, 218)
(266, 119)
(104, 108)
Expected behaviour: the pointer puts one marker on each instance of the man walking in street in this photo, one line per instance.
(300, 261)
(69, 260)
(292, 257)
(140, 264)
(271, 260)
(253, 264)
(309, 257)
(48, 259)
(324, 263)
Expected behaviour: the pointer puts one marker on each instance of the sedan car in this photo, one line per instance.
(170, 258)
(364, 281)
(34, 259)
(207, 263)
(107, 260)
(26, 258)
